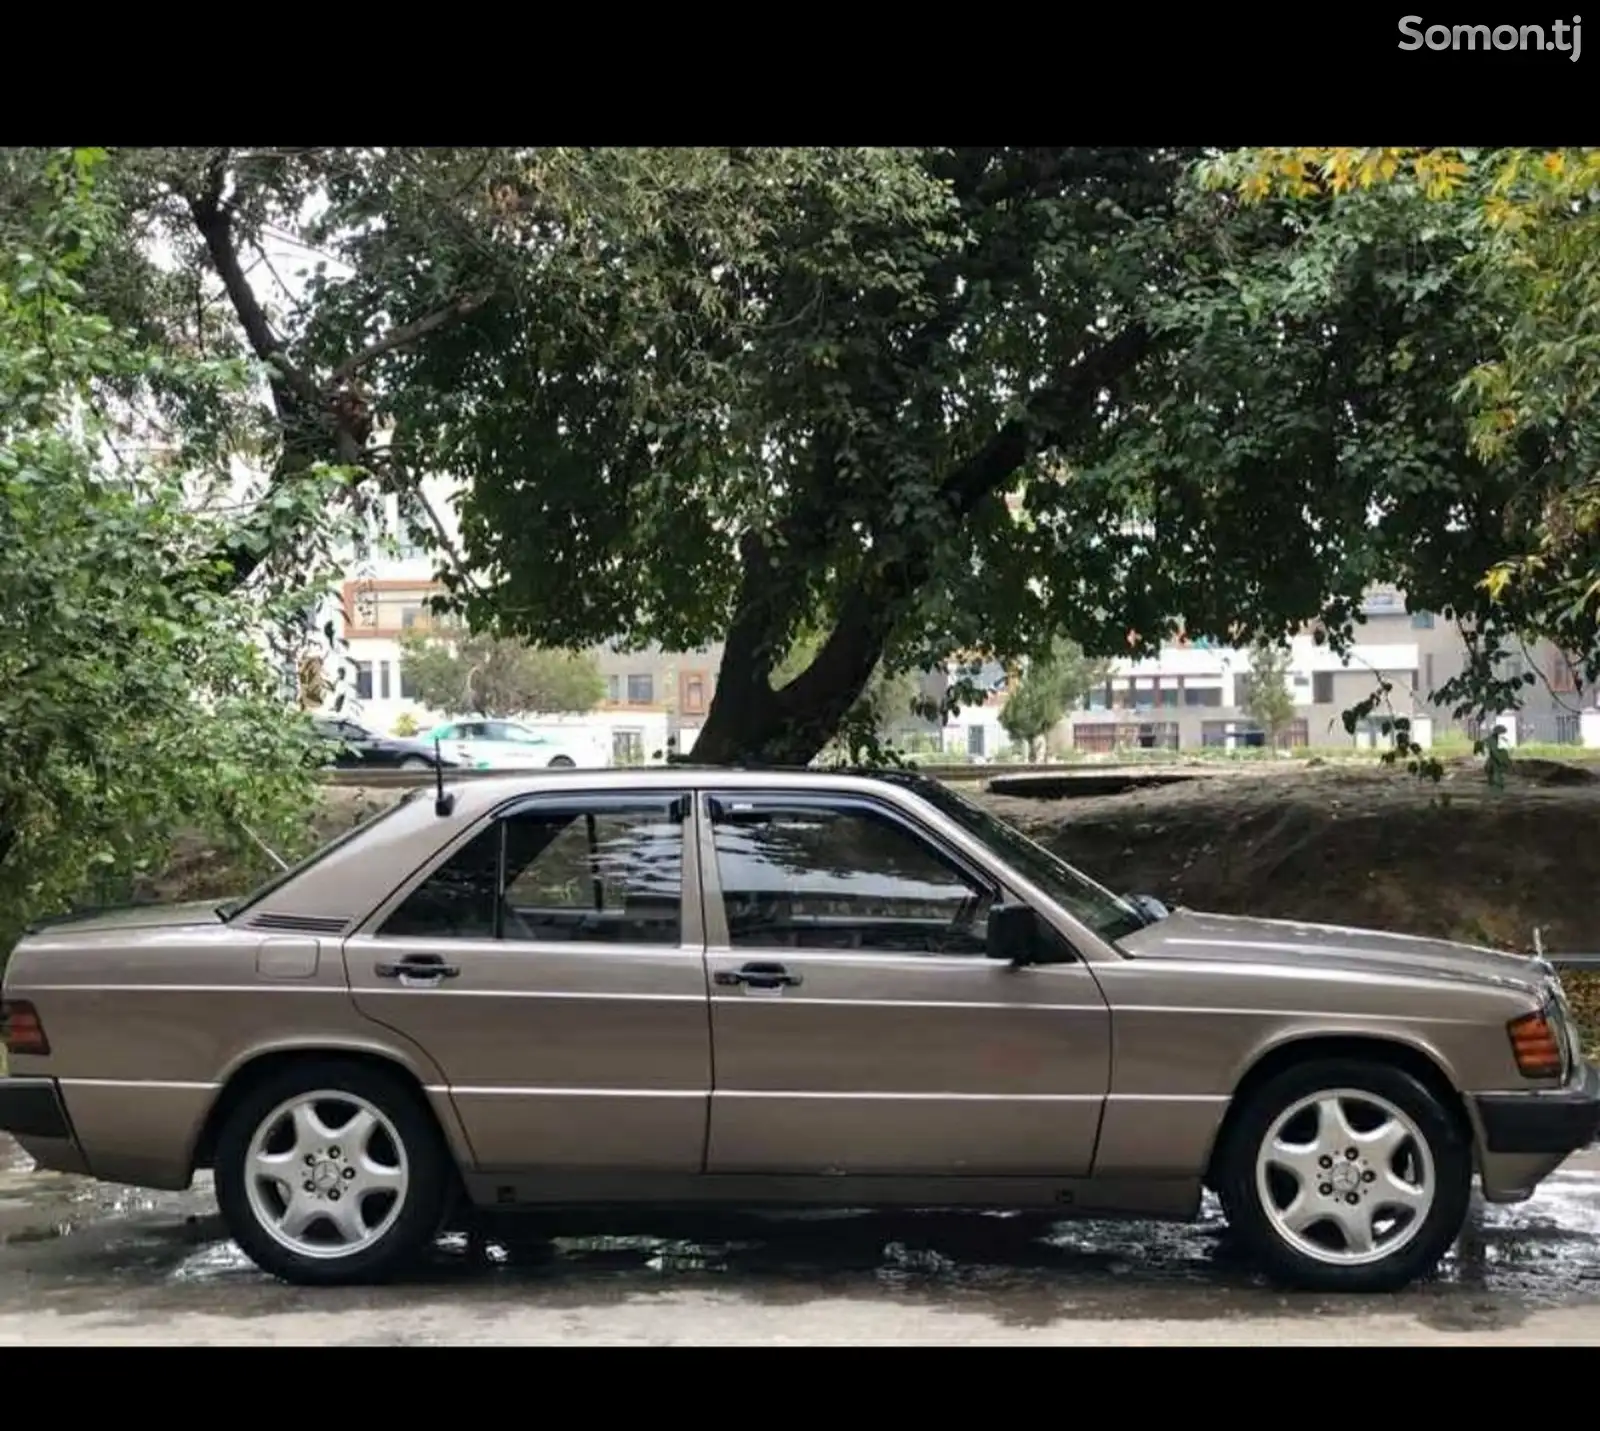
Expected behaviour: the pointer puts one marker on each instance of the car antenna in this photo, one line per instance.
(443, 804)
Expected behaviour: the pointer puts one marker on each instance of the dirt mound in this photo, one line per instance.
(1358, 846)
(1553, 772)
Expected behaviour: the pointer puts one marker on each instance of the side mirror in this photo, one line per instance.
(1013, 934)
(1149, 906)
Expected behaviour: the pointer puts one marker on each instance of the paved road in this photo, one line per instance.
(82, 1264)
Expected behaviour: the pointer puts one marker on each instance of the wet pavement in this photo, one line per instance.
(83, 1263)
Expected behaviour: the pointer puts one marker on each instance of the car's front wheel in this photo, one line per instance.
(331, 1172)
(416, 762)
(562, 762)
(1343, 1175)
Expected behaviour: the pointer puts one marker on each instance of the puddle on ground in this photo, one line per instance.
(64, 1240)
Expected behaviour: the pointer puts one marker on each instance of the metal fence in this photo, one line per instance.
(1533, 728)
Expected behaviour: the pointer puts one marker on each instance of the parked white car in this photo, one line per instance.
(510, 745)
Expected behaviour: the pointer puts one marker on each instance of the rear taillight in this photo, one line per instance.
(20, 1029)
(1536, 1045)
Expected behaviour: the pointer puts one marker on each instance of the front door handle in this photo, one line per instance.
(758, 976)
(428, 967)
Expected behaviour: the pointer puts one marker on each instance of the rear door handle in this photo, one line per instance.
(417, 966)
(758, 976)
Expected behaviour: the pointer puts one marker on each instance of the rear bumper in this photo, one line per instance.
(1551, 1121)
(32, 1108)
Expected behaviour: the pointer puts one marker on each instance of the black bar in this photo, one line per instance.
(31, 1108)
(1553, 1121)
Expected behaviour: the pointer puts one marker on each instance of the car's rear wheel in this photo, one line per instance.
(1344, 1175)
(416, 762)
(561, 762)
(331, 1172)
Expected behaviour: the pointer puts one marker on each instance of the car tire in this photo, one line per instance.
(299, 1233)
(562, 762)
(1297, 1201)
(416, 762)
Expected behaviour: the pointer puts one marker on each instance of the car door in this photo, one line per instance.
(857, 1024)
(552, 967)
(366, 747)
(330, 733)
(460, 741)
(512, 746)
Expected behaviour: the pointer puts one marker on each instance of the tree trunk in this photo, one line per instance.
(749, 723)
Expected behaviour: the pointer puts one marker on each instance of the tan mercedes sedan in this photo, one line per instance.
(683, 986)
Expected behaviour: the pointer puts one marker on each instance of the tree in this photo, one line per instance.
(1154, 375)
(1529, 395)
(1047, 690)
(495, 676)
(1269, 701)
(918, 400)
(865, 733)
(135, 699)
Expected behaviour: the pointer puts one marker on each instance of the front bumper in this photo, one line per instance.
(1545, 1121)
(32, 1108)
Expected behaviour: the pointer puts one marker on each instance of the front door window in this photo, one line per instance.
(811, 876)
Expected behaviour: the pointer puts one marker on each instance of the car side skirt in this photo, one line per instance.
(1175, 1199)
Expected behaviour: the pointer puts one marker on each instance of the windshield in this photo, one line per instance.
(1107, 914)
(238, 906)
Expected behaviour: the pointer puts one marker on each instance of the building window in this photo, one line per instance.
(641, 690)
(613, 688)
(1563, 676)
(975, 739)
(1422, 620)
(1202, 695)
(1322, 688)
(381, 608)
(414, 535)
(383, 680)
(363, 680)
(694, 695)
(408, 684)
(1169, 698)
(1427, 675)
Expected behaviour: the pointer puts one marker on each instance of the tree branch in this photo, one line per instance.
(409, 333)
(213, 218)
(868, 614)
(1048, 414)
